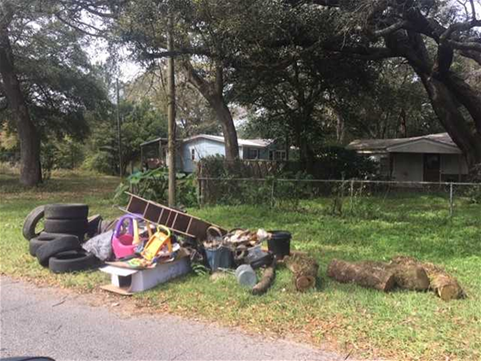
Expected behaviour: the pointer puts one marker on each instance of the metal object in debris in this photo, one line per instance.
(246, 276)
(220, 257)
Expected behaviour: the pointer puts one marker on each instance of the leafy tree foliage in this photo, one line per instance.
(47, 81)
(140, 122)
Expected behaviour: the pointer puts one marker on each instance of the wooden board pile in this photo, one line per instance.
(402, 272)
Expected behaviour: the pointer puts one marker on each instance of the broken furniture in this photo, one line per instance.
(179, 222)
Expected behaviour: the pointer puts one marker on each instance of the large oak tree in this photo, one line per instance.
(429, 35)
(47, 82)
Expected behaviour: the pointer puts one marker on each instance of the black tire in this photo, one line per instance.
(73, 261)
(31, 222)
(42, 239)
(55, 246)
(35, 244)
(66, 211)
(69, 226)
(50, 236)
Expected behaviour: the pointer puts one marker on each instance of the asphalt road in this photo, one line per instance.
(58, 324)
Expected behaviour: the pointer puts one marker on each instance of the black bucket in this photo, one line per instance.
(280, 243)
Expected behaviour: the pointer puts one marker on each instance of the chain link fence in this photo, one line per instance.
(339, 196)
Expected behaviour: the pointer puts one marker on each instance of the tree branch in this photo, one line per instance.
(469, 46)
(390, 29)
(459, 27)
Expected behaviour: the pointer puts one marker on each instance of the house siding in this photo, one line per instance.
(202, 148)
(408, 167)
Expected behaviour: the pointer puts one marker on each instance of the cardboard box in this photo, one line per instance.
(129, 281)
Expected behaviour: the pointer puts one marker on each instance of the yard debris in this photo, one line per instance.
(305, 270)
(246, 276)
(100, 246)
(402, 272)
(367, 274)
(443, 284)
(266, 281)
(59, 246)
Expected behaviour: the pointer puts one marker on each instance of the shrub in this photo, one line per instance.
(341, 163)
(153, 185)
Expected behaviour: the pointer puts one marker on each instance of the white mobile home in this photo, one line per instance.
(429, 158)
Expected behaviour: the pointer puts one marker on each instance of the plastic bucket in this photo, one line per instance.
(280, 243)
(246, 276)
(219, 258)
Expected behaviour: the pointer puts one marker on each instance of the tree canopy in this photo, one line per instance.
(309, 72)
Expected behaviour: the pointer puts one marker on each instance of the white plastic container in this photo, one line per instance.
(246, 276)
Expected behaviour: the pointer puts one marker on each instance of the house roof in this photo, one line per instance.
(383, 145)
(256, 143)
(259, 143)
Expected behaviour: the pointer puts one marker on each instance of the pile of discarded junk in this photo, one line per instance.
(152, 244)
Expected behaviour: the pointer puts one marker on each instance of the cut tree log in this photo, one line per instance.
(367, 274)
(305, 270)
(410, 277)
(266, 281)
(442, 283)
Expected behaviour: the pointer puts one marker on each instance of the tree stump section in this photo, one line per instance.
(367, 274)
(411, 277)
(442, 283)
(305, 270)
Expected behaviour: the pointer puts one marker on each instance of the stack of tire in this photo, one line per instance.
(58, 247)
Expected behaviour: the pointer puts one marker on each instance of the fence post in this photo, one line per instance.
(199, 192)
(451, 205)
(352, 193)
(272, 192)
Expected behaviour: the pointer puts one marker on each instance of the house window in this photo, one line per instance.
(252, 153)
(192, 154)
(277, 155)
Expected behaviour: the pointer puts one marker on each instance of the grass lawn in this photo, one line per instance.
(347, 318)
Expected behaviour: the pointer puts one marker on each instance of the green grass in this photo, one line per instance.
(397, 325)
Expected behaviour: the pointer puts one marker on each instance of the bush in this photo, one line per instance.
(102, 162)
(474, 192)
(341, 163)
(154, 184)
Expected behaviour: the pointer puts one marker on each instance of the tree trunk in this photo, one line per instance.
(224, 117)
(30, 171)
(367, 274)
(340, 128)
(213, 93)
(446, 107)
(446, 92)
